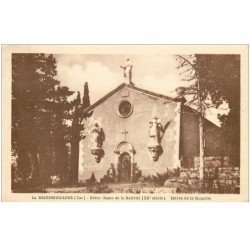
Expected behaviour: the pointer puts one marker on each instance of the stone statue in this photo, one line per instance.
(98, 136)
(155, 136)
(127, 72)
(155, 130)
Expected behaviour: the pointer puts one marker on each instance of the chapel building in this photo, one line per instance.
(131, 129)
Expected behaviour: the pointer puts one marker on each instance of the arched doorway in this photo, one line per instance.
(124, 167)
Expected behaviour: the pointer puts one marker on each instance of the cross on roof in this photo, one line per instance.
(125, 133)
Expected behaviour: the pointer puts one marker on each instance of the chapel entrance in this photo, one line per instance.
(124, 167)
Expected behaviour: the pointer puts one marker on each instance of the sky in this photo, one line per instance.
(154, 72)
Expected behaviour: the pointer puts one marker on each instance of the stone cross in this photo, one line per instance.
(125, 134)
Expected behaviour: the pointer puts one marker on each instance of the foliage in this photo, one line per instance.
(40, 110)
(157, 179)
(137, 174)
(110, 175)
(160, 178)
(77, 130)
(219, 82)
(91, 180)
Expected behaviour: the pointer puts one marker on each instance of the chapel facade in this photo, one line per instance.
(132, 130)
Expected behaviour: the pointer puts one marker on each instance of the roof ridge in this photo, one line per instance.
(120, 87)
(149, 92)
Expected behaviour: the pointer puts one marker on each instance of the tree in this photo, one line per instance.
(39, 108)
(28, 92)
(196, 91)
(77, 129)
(214, 80)
(224, 82)
(220, 79)
(60, 130)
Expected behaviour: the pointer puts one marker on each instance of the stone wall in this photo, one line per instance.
(219, 173)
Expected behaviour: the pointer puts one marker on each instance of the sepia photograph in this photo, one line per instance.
(126, 123)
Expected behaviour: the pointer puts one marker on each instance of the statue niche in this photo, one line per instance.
(98, 137)
(155, 135)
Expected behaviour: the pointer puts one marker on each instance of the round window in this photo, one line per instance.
(125, 109)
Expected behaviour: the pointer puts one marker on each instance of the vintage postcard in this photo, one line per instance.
(125, 123)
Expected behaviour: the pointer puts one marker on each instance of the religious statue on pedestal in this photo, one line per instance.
(127, 72)
(98, 138)
(155, 136)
